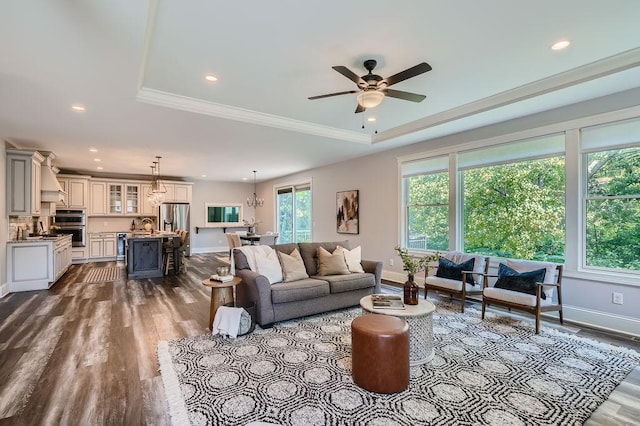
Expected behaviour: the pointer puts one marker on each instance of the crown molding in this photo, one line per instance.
(592, 71)
(184, 103)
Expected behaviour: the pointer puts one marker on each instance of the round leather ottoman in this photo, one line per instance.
(380, 353)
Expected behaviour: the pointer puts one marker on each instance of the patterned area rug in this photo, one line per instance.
(492, 372)
(101, 275)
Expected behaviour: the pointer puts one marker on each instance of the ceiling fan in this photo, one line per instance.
(374, 88)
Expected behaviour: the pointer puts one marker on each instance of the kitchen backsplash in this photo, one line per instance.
(114, 224)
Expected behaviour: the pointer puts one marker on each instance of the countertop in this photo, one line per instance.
(37, 239)
(159, 234)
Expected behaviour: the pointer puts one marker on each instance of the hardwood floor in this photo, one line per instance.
(85, 353)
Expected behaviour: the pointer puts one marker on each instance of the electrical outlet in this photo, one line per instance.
(617, 298)
(390, 262)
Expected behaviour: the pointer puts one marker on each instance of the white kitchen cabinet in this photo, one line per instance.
(62, 256)
(147, 208)
(182, 193)
(79, 255)
(123, 199)
(102, 245)
(177, 192)
(98, 199)
(77, 190)
(37, 264)
(23, 182)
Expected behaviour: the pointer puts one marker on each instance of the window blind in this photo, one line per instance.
(528, 149)
(424, 166)
(611, 135)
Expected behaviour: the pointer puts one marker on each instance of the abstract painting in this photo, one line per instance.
(347, 206)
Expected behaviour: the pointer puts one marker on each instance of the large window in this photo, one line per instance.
(516, 210)
(511, 201)
(426, 185)
(611, 177)
(294, 213)
(613, 209)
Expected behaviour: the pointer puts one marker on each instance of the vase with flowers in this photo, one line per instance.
(413, 265)
(251, 225)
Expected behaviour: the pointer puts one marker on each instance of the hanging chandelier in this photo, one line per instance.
(255, 201)
(158, 191)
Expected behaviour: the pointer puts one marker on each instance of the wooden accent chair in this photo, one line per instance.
(459, 288)
(534, 304)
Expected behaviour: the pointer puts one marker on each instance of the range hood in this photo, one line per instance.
(50, 189)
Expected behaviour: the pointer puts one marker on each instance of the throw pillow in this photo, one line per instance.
(332, 263)
(267, 264)
(524, 282)
(353, 258)
(292, 266)
(453, 271)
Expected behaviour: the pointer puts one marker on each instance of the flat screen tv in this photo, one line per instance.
(223, 214)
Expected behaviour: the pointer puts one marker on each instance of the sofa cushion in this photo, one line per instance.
(514, 297)
(332, 263)
(453, 271)
(530, 265)
(447, 284)
(268, 265)
(292, 266)
(308, 288)
(353, 258)
(342, 283)
(309, 252)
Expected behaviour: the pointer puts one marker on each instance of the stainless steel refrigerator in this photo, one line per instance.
(174, 216)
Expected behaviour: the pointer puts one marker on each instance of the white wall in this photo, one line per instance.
(587, 298)
(212, 239)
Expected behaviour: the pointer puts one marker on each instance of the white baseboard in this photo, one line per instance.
(200, 250)
(4, 290)
(602, 320)
(574, 314)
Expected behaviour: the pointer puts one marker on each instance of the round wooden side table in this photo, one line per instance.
(221, 294)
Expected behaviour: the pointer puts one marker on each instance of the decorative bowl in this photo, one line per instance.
(222, 271)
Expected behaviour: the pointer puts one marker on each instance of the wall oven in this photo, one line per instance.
(72, 222)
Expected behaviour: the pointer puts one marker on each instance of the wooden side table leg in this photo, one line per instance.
(212, 308)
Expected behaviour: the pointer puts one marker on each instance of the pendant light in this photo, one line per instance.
(255, 201)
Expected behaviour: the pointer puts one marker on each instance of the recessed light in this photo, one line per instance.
(99, 167)
(93, 149)
(371, 119)
(203, 175)
(78, 108)
(560, 45)
(97, 160)
(211, 78)
(244, 178)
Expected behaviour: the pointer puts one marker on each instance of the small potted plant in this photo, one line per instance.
(251, 225)
(413, 265)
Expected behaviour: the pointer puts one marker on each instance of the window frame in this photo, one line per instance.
(304, 184)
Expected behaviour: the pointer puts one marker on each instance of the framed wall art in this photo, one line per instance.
(347, 212)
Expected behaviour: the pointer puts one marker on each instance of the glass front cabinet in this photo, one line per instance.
(124, 199)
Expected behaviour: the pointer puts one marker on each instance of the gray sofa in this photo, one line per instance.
(313, 295)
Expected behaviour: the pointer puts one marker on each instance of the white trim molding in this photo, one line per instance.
(184, 103)
(602, 320)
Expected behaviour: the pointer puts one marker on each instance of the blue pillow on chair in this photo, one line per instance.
(524, 282)
(453, 271)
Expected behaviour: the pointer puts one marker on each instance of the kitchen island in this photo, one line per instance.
(38, 262)
(144, 254)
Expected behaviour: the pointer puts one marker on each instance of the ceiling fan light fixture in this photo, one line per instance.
(370, 98)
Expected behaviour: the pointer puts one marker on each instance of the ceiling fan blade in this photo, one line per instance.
(408, 73)
(350, 75)
(360, 109)
(333, 94)
(407, 96)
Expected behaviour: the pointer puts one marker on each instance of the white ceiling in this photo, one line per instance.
(139, 67)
